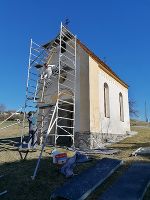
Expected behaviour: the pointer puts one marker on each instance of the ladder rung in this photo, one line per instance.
(66, 127)
(68, 68)
(70, 96)
(67, 50)
(67, 65)
(73, 47)
(33, 61)
(32, 54)
(63, 33)
(65, 110)
(66, 79)
(65, 101)
(67, 58)
(71, 135)
(65, 130)
(34, 49)
(65, 118)
(66, 86)
(63, 27)
(68, 72)
(37, 44)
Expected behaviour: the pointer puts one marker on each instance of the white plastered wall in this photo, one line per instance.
(98, 122)
(113, 124)
(82, 122)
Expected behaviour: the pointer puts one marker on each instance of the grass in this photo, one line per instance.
(17, 173)
(127, 146)
(135, 122)
(12, 131)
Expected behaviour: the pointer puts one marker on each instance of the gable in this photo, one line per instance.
(102, 65)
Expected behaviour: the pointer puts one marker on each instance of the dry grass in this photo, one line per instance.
(17, 173)
(127, 146)
(134, 122)
(12, 131)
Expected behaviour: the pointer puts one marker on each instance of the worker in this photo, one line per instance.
(47, 70)
(32, 128)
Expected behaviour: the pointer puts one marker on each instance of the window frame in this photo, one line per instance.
(106, 101)
(121, 107)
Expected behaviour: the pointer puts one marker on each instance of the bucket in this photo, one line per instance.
(54, 153)
(61, 158)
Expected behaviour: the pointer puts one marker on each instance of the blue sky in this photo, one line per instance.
(118, 31)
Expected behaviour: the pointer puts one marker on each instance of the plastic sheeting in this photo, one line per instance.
(131, 185)
(79, 187)
(68, 167)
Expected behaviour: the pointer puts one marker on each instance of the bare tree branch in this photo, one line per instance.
(132, 110)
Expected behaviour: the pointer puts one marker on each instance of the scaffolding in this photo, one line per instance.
(37, 57)
(60, 53)
(52, 98)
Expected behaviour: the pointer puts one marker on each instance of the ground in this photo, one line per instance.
(17, 173)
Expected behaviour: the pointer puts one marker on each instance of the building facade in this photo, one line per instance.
(102, 108)
(101, 99)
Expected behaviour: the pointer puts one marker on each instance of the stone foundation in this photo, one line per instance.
(82, 140)
(88, 140)
(96, 140)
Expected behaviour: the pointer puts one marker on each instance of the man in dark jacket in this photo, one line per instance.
(32, 128)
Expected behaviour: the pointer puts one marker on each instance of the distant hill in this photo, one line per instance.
(134, 122)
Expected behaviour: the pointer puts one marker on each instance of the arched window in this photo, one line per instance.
(106, 100)
(121, 107)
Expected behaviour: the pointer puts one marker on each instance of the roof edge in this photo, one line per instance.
(103, 66)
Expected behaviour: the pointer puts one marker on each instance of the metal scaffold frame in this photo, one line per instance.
(71, 57)
(36, 85)
(37, 57)
(65, 44)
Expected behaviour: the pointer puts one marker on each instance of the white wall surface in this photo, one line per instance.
(113, 124)
(82, 122)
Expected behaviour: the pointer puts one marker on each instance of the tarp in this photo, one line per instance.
(131, 185)
(80, 186)
(142, 151)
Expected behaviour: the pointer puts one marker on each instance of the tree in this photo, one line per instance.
(132, 110)
(2, 108)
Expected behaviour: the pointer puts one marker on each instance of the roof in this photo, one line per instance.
(102, 65)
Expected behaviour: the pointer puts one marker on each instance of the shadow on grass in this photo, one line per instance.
(11, 143)
(17, 179)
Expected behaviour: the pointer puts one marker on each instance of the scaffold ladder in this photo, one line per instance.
(64, 125)
(35, 86)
